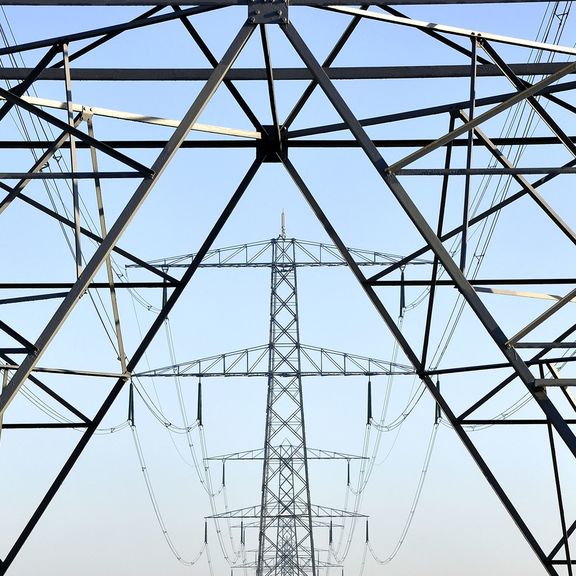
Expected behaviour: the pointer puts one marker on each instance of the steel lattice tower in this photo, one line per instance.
(286, 516)
(401, 160)
(286, 543)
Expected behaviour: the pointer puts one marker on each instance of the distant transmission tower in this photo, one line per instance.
(286, 516)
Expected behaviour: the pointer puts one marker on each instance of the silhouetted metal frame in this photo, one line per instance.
(96, 421)
(94, 264)
(320, 77)
(406, 348)
(427, 233)
(434, 243)
(243, 74)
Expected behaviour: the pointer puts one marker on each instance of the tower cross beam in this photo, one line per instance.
(306, 254)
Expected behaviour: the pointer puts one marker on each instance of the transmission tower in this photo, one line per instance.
(413, 143)
(286, 515)
(285, 541)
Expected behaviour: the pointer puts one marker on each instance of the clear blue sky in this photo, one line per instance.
(102, 521)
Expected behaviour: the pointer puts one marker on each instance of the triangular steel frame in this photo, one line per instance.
(273, 145)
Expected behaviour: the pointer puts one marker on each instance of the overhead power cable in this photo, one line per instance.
(156, 507)
(414, 505)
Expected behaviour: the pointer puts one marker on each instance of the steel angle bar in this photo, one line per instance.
(148, 74)
(561, 509)
(431, 32)
(519, 84)
(126, 216)
(435, 265)
(492, 210)
(555, 372)
(534, 360)
(560, 543)
(73, 372)
(454, 30)
(319, 143)
(542, 318)
(105, 38)
(71, 130)
(21, 88)
(14, 350)
(109, 269)
(566, 391)
(469, 150)
(498, 109)
(16, 336)
(510, 422)
(525, 294)
(142, 118)
(154, 143)
(73, 163)
(222, 3)
(496, 366)
(423, 112)
(531, 190)
(104, 31)
(478, 284)
(40, 163)
(213, 62)
(411, 355)
(270, 84)
(545, 345)
(32, 298)
(68, 175)
(4, 384)
(327, 62)
(43, 426)
(68, 285)
(50, 392)
(488, 171)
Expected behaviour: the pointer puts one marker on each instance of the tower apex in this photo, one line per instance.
(283, 225)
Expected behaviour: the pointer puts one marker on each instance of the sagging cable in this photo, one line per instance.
(155, 506)
(413, 507)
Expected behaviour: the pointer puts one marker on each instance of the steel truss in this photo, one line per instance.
(286, 514)
(532, 364)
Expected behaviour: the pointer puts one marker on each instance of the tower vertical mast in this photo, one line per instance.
(286, 545)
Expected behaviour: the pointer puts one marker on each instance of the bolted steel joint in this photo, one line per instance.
(268, 12)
